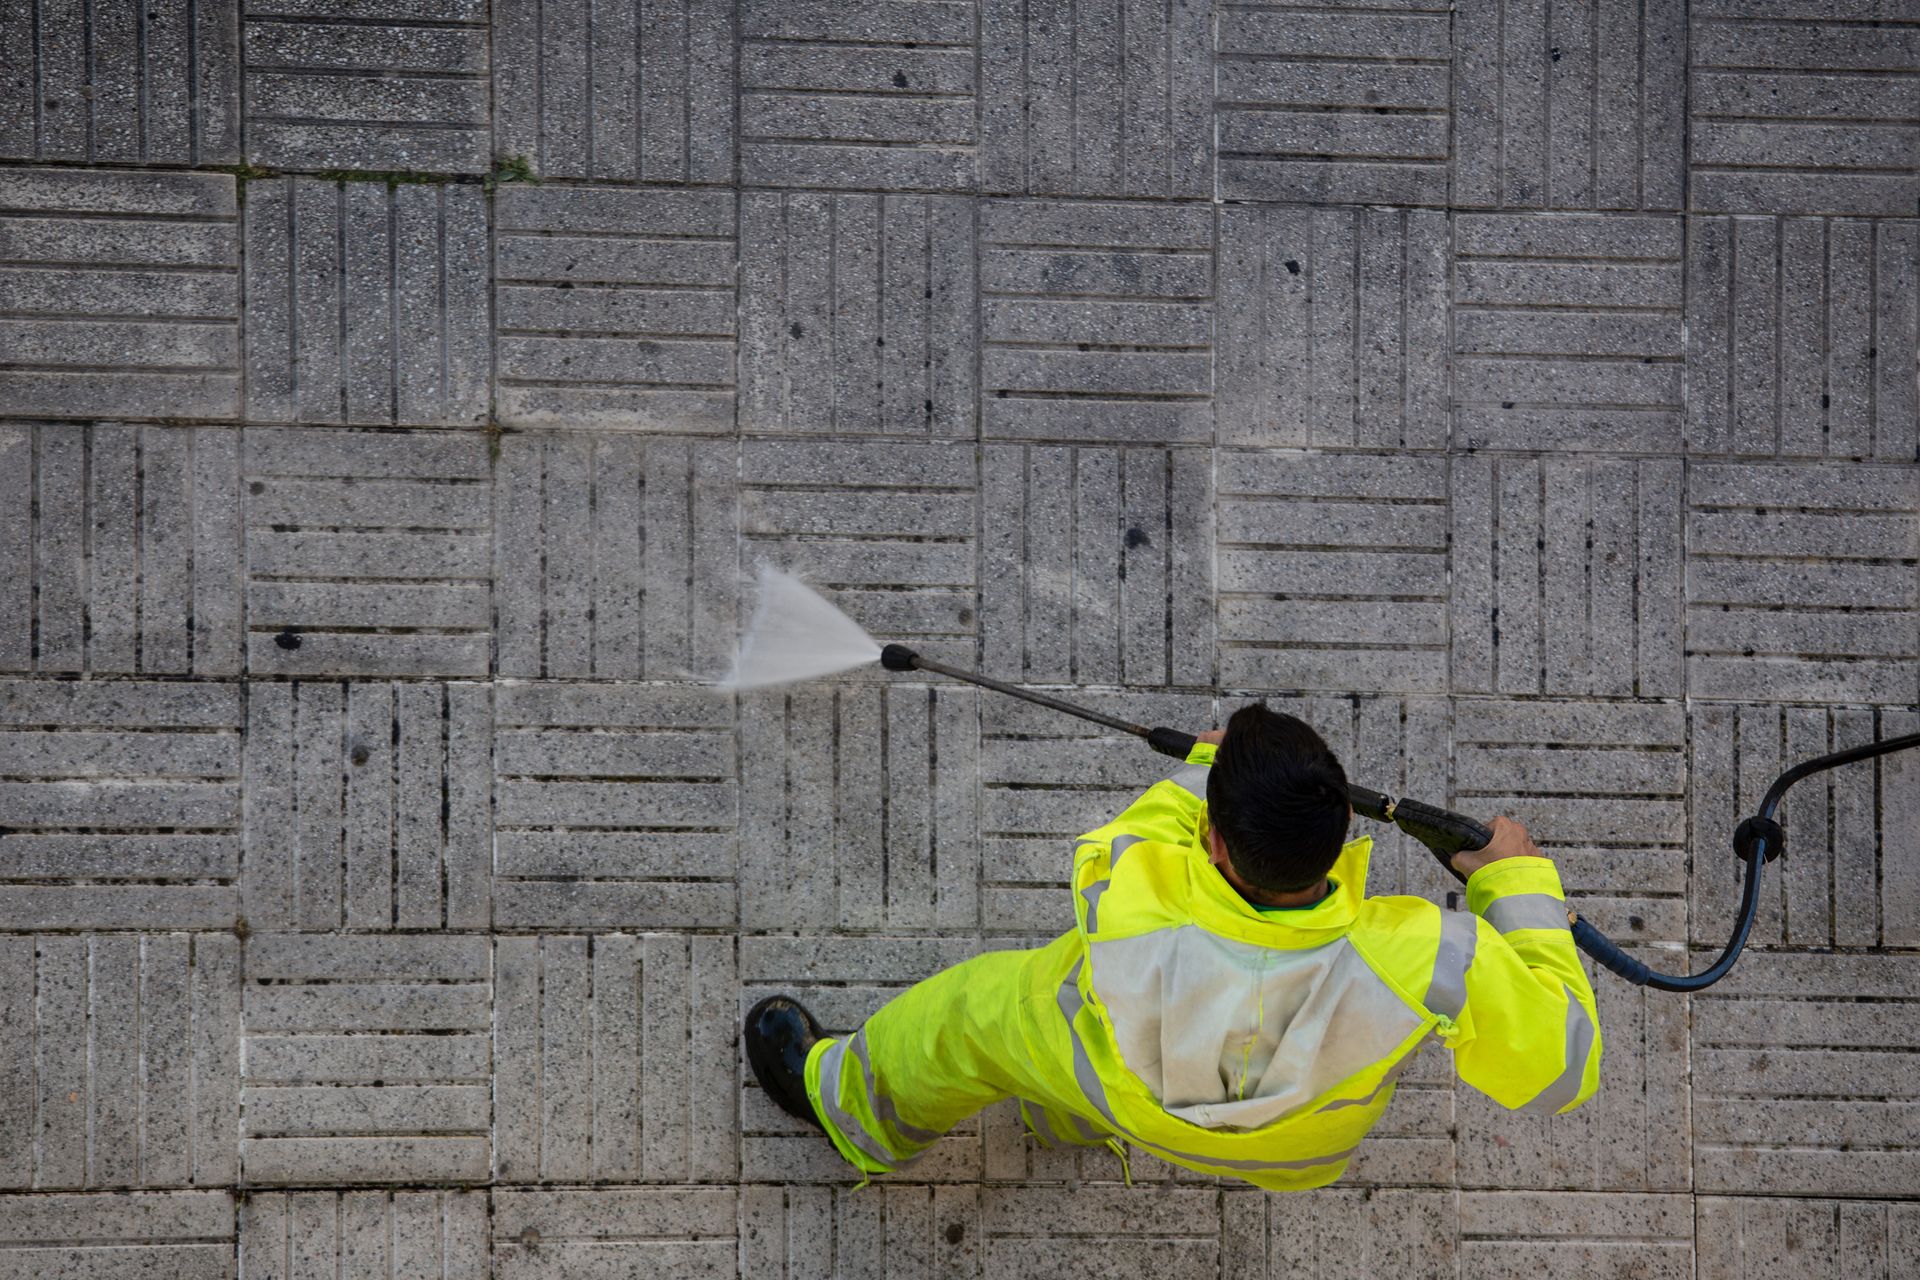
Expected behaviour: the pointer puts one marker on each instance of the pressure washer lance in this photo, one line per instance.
(1757, 841)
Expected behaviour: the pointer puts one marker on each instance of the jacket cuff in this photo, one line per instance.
(1202, 753)
(1506, 876)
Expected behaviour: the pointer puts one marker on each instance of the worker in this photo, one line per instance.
(1230, 999)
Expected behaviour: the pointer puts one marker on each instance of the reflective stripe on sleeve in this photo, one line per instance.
(1526, 911)
(831, 1063)
(1566, 1087)
(1120, 845)
(1192, 779)
(1092, 894)
(1071, 1002)
(1459, 933)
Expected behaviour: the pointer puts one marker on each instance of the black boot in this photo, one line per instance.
(779, 1033)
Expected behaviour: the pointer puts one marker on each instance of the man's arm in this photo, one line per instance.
(1529, 1034)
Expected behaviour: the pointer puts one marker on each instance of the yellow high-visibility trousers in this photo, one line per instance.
(969, 1036)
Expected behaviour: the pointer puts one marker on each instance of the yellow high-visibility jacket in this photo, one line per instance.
(1264, 1046)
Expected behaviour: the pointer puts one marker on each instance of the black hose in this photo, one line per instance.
(1758, 841)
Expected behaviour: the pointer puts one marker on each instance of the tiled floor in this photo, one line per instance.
(1523, 393)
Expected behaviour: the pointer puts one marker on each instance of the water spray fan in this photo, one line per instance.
(797, 634)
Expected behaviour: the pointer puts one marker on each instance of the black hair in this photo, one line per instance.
(1278, 797)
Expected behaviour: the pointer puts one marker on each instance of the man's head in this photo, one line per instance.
(1278, 799)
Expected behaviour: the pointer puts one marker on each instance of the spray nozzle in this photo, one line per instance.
(897, 657)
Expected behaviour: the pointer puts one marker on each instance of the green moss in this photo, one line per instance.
(510, 169)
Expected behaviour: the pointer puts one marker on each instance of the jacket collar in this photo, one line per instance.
(1219, 907)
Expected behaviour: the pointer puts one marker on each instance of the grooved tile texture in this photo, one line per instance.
(615, 308)
(1334, 106)
(400, 398)
(121, 545)
(869, 96)
(120, 292)
(616, 92)
(1803, 107)
(399, 86)
(127, 82)
(366, 1063)
(366, 303)
(1564, 105)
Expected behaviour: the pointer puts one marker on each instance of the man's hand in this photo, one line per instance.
(1215, 736)
(1510, 840)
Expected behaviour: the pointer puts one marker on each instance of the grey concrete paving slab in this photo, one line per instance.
(122, 293)
(906, 1230)
(834, 96)
(401, 88)
(679, 1232)
(1739, 1238)
(1780, 566)
(655, 592)
(1523, 1233)
(605, 1046)
(125, 1069)
(1565, 576)
(1567, 333)
(344, 1025)
(122, 808)
(1295, 95)
(1093, 557)
(865, 520)
(857, 314)
(121, 548)
(367, 553)
(1604, 786)
(1803, 108)
(366, 303)
(1093, 320)
(615, 807)
(845, 819)
(648, 275)
(1363, 1233)
(619, 93)
(368, 1235)
(1323, 558)
(1116, 103)
(123, 83)
(368, 806)
(1846, 884)
(1805, 1083)
(188, 1234)
(1800, 337)
(1331, 327)
(1564, 108)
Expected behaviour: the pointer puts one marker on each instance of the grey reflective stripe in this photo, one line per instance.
(1071, 1002)
(848, 1127)
(1191, 778)
(1120, 845)
(1082, 1130)
(1036, 1118)
(1386, 1082)
(1527, 911)
(1447, 993)
(881, 1104)
(1566, 1087)
(1092, 894)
